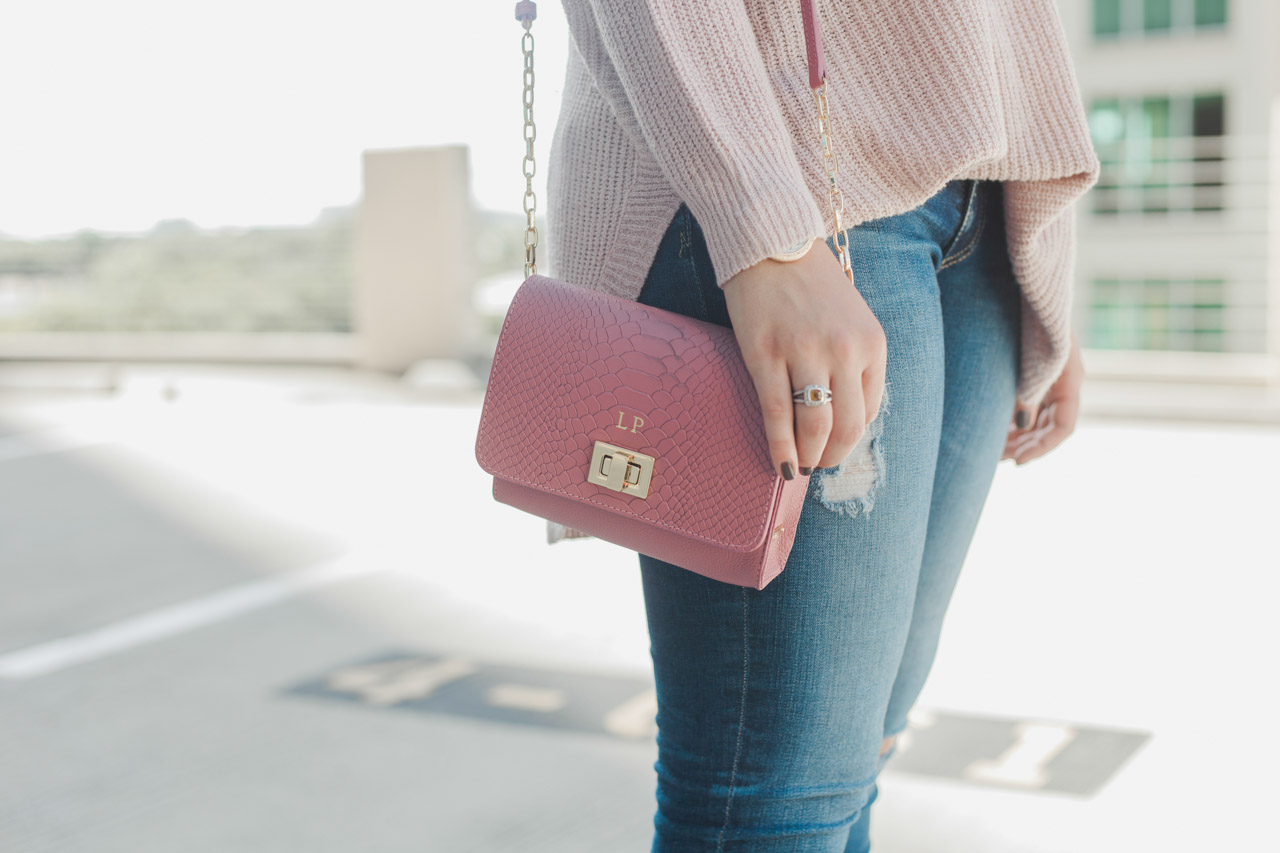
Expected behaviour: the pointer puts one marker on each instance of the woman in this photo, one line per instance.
(686, 173)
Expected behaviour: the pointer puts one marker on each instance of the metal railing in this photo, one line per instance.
(1192, 174)
(1177, 260)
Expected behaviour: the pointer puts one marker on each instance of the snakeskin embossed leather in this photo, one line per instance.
(575, 366)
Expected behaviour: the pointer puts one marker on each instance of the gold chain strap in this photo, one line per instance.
(833, 172)
(530, 134)
(525, 13)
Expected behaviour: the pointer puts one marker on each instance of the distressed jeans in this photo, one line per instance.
(772, 704)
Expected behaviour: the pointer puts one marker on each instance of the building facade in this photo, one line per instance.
(1177, 270)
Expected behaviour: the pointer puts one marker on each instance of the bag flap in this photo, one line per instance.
(574, 367)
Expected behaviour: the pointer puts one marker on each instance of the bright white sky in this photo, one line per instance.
(254, 112)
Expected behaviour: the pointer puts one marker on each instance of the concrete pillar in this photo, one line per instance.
(414, 258)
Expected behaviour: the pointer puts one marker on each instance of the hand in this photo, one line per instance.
(1056, 418)
(802, 322)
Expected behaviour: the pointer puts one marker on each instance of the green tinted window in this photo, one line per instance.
(1106, 17)
(1157, 314)
(1106, 122)
(1158, 153)
(1157, 15)
(1211, 12)
(1155, 117)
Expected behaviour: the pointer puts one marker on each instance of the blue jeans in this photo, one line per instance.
(772, 704)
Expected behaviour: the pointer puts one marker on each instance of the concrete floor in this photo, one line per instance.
(276, 609)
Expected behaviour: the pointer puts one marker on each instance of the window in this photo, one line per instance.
(1157, 314)
(1159, 153)
(1211, 13)
(1143, 18)
(1106, 17)
(1157, 15)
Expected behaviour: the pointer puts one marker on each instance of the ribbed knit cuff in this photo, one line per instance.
(743, 227)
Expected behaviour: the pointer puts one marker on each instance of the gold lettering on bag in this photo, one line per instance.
(636, 421)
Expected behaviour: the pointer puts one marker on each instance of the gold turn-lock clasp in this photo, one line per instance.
(620, 469)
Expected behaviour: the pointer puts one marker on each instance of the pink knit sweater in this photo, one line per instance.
(708, 102)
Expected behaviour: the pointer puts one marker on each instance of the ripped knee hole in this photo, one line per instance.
(851, 486)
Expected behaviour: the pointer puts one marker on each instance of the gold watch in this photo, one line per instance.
(794, 253)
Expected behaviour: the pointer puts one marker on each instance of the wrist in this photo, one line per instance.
(794, 253)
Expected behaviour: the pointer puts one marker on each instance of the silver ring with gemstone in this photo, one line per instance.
(812, 395)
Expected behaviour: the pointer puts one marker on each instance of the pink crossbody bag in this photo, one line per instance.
(634, 424)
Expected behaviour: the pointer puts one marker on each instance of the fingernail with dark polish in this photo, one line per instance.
(788, 472)
(806, 471)
(1022, 418)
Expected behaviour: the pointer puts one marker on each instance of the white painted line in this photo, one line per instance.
(1024, 762)
(636, 717)
(45, 441)
(176, 619)
(526, 698)
(391, 682)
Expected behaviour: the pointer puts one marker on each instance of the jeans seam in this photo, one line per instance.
(966, 217)
(971, 245)
(686, 234)
(742, 718)
(971, 202)
(704, 313)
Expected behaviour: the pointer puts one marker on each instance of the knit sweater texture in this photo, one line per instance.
(708, 102)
